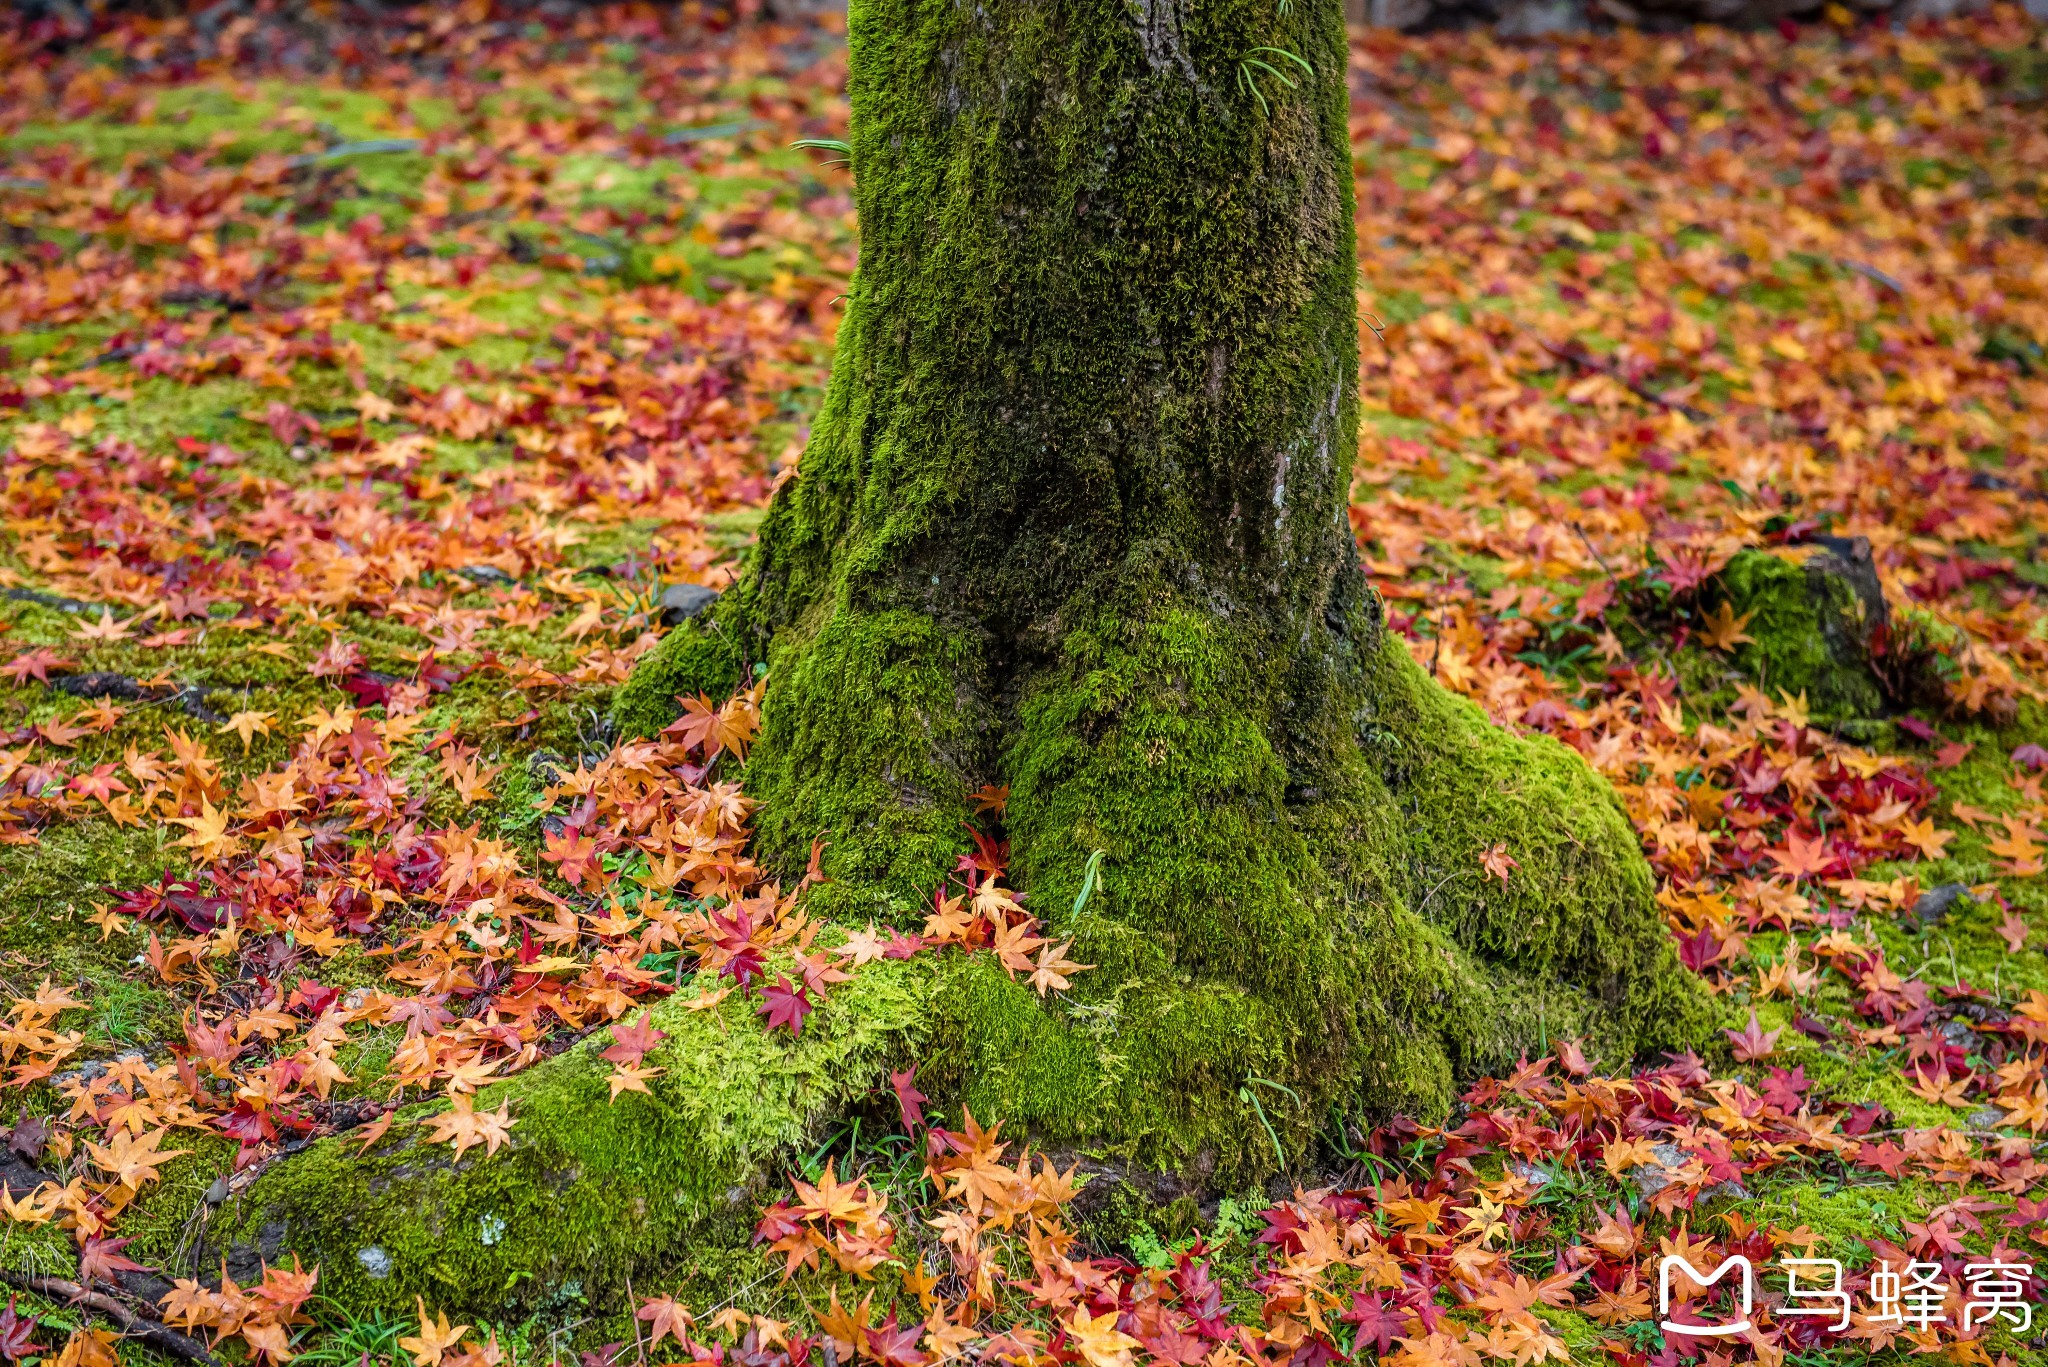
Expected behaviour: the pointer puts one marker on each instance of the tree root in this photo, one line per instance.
(134, 1323)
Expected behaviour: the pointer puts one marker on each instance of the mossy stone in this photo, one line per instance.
(1813, 625)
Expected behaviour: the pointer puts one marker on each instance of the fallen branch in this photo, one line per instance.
(134, 1324)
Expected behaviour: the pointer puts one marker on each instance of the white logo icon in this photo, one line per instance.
(1704, 1280)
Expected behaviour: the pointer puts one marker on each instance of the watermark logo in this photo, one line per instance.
(1746, 1288)
(1915, 1297)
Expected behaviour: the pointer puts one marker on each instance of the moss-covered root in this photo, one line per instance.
(585, 1190)
(1570, 943)
(1269, 945)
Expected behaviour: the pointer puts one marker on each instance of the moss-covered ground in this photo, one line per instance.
(427, 356)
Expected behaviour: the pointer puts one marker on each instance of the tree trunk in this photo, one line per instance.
(1073, 520)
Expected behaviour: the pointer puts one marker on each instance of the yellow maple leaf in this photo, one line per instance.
(1100, 1342)
(435, 1338)
(247, 725)
(209, 838)
(466, 1127)
(1724, 630)
(134, 1160)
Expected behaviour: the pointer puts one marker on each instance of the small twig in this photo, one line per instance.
(1574, 355)
(1875, 276)
(1599, 560)
(134, 1324)
(639, 1352)
(1427, 897)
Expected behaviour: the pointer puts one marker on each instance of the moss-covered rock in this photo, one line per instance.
(699, 656)
(1815, 621)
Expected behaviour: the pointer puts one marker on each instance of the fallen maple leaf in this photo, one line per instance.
(101, 1259)
(35, 664)
(372, 407)
(665, 1317)
(631, 1043)
(909, 1100)
(1051, 972)
(631, 1079)
(1496, 860)
(1802, 857)
(1724, 630)
(434, 1339)
(369, 1134)
(89, 1348)
(784, 1004)
(133, 1160)
(106, 629)
(17, 1334)
(208, 836)
(466, 1127)
(248, 725)
(1099, 1341)
(1922, 836)
(1751, 1043)
(2013, 931)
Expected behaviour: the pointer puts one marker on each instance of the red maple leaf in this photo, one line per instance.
(248, 1124)
(102, 1259)
(1751, 1042)
(342, 656)
(1887, 1157)
(785, 1004)
(909, 1101)
(1378, 1324)
(631, 1042)
(574, 851)
(1171, 1345)
(892, 1345)
(36, 664)
(17, 1333)
(1802, 858)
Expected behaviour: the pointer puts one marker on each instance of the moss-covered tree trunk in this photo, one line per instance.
(1073, 520)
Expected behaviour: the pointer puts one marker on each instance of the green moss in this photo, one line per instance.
(1845, 1213)
(697, 657)
(164, 1219)
(44, 1249)
(869, 734)
(1856, 1078)
(1571, 931)
(1979, 780)
(1345, 945)
(66, 873)
(586, 1189)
